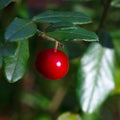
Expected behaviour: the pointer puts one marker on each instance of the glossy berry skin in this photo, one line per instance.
(52, 64)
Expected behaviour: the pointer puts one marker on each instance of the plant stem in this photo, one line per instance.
(44, 36)
(104, 16)
(56, 46)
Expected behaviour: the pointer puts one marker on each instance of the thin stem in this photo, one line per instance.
(104, 16)
(56, 46)
(44, 36)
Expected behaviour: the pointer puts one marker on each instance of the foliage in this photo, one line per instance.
(93, 51)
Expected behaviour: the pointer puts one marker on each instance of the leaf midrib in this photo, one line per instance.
(95, 78)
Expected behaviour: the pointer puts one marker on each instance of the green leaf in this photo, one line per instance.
(7, 49)
(15, 66)
(56, 17)
(69, 116)
(4, 3)
(20, 29)
(58, 26)
(95, 77)
(73, 34)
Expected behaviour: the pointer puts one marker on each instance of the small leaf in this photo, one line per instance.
(15, 66)
(20, 29)
(95, 77)
(69, 116)
(73, 34)
(4, 3)
(56, 17)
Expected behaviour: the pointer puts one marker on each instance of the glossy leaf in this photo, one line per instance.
(15, 65)
(20, 29)
(74, 34)
(69, 116)
(4, 3)
(56, 17)
(95, 77)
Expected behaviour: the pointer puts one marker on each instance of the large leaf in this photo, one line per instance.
(95, 77)
(20, 29)
(15, 66)
(4, 3)
(74, 34)
(56, 17)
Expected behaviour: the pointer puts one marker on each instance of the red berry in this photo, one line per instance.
(52, 64)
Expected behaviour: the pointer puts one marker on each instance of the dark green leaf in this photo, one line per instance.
(58, 26)
(8, 49)
(74, 34)
(20, 29)
(95, 78)
(105, 39)
(15, 66)
(56, 17)
(4, 3)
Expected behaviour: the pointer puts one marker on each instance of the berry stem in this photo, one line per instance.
(56, 46)
(44, 36)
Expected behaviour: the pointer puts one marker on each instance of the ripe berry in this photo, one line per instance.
(52, 64)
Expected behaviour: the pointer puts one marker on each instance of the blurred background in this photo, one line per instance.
(36, 98)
